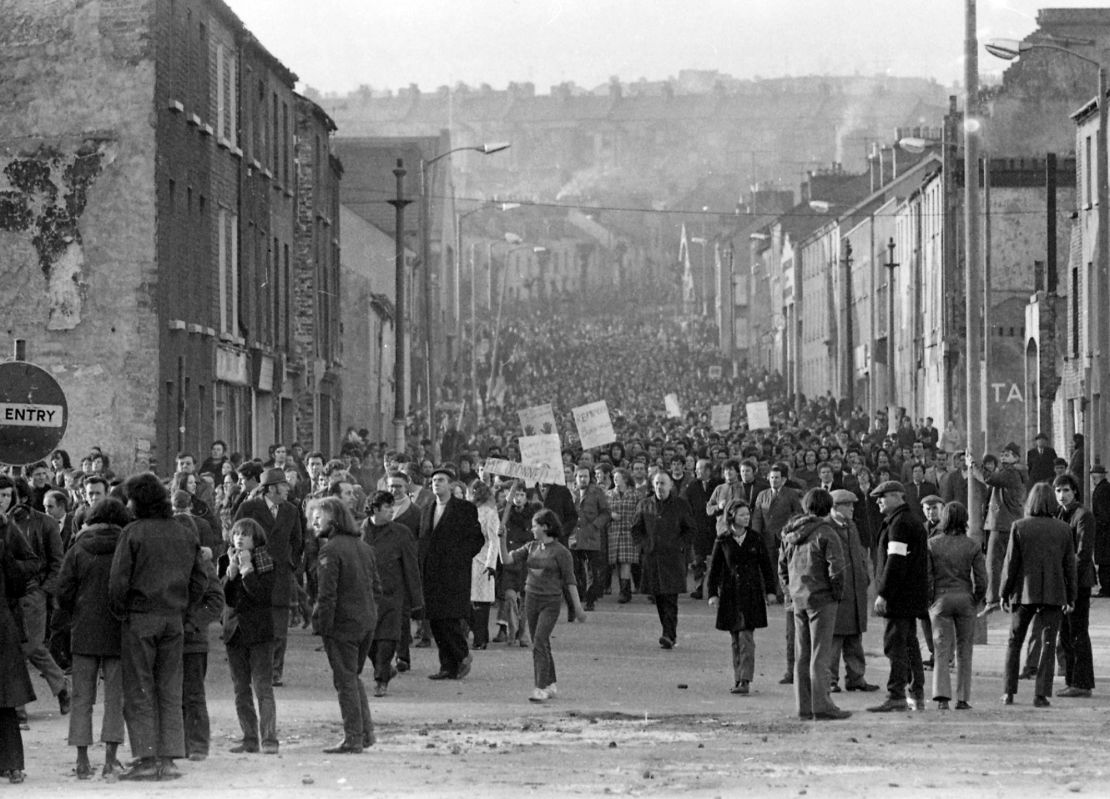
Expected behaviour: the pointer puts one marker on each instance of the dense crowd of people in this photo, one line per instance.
(117, 579)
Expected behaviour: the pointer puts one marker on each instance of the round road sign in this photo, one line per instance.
(33, 413)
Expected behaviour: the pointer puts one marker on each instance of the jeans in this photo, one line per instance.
(510, 612)
(743, 655)
(1020, 618)
(812, 654)
(405, 642)
(1075, 641)
(996, 554)
(953, 617)
(281, 632)
(450, 635)
(790, 636)
(902, 650)
(666, 605)
(542, 613)
(347, 660)
(151, 659)
(86, 674)
(855, 662)
(33, 605)
(927, 631)
(589, 573)
(252, 666)
(194, 704)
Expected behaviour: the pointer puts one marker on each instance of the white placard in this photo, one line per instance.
(529, 474)
(715, 372)
(721, 416)
(539, 419)
(595, 427)
(544, 450)
(759, 416)
(674, 410)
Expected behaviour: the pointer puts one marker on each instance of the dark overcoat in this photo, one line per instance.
(851, 616)
(902, 574)
(82, 591)
(450, 547)
(664, 529)
(1100, 508)
(348, 589)
(284, 541)
(740, 576)
(15, 682)
(395, 552)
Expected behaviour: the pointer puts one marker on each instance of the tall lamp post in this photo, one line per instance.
(399, 412)
(426, 165)
(1098, 327)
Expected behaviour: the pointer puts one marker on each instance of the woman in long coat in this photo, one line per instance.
(15, 683)
(740, 584)
(483, 566)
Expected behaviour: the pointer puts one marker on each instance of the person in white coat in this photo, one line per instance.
(484, 566)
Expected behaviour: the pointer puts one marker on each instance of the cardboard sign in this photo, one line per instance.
(544, 450)
(759, 416)
(715, 372)
(595, 427)
(529, 474)
(538, 419)
(674, 410)
(893, 419)
(721, 416)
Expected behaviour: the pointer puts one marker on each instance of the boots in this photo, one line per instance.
(626, 592)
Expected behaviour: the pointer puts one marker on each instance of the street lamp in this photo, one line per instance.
(426, 165)
(1098, 329)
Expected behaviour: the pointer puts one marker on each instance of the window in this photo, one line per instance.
(1075, 311)
(228, 264)
(1088, 163)
(279, 141)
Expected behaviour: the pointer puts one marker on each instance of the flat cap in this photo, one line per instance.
(932, 499)
(1014, 448)
(888, 487)
(272, 477)
(1098, 468)
(840, 496)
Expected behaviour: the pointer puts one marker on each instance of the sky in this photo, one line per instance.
(342, 44)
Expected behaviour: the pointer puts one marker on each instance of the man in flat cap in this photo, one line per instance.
(902, 596)
(851, 616)
(284, 528)
(1004, 507)
(930, 509)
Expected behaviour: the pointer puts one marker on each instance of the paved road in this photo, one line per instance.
(632, 718)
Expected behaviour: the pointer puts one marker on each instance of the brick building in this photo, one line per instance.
(147, 223)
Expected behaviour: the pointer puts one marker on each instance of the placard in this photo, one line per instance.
(674, 410)
(530, 474)
(539, 419)
(759, 416)
(595, 427)
(715, 372)
(721, 416)
(543, 450)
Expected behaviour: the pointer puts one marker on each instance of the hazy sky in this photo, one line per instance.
(336, 45)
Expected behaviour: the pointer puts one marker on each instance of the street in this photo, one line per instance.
(630, 719)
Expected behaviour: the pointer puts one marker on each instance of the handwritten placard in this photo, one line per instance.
(759, 416)
(530, 474)
(721, 416)
(538, 419)
(595, 426)
(674, 410)
(543, 450)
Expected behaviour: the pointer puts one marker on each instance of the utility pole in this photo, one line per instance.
(973, 284)
(399, 411)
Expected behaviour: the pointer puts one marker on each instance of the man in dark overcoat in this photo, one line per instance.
(851, 615)
(1100, 508)
(284, 528)
(450, 537)
(664, 528)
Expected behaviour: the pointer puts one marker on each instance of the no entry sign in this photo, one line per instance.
(33, 413)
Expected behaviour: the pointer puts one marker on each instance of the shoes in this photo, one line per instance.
(836, 714)
(21, 717)
(665, 642)
(478, 646)
(83, 770)
(589, 607)
(197, 757)
(423, 643)
(368, 739)
(916, 703)
(552, 690)
(15, 776)
(441, 675)
(890, 706)
(270, 748)
(990, 608)
(962, 705)
(696, 594)
(539, 695)
(65, 702)
(942, 704)
(277, 684)
(344, 748)
(244, 748)
(403, 665)
(524, 644)
(928, 664)
(787, 679)
(380, 689)
(501, 637)
(863, 686)
(168, 770)
(1040, 701)
(1075, 693)
(111, 770)
(741, 687)
(1007, 699)
(834, 688)
(146, 769)
(805, 716)
(464, 667)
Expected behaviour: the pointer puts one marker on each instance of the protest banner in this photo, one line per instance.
(595, 427)
(530, 474)
(538, 419)
(715, 372)
(543, 450)
(721, 416)
(759, 417)
(674, 410)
